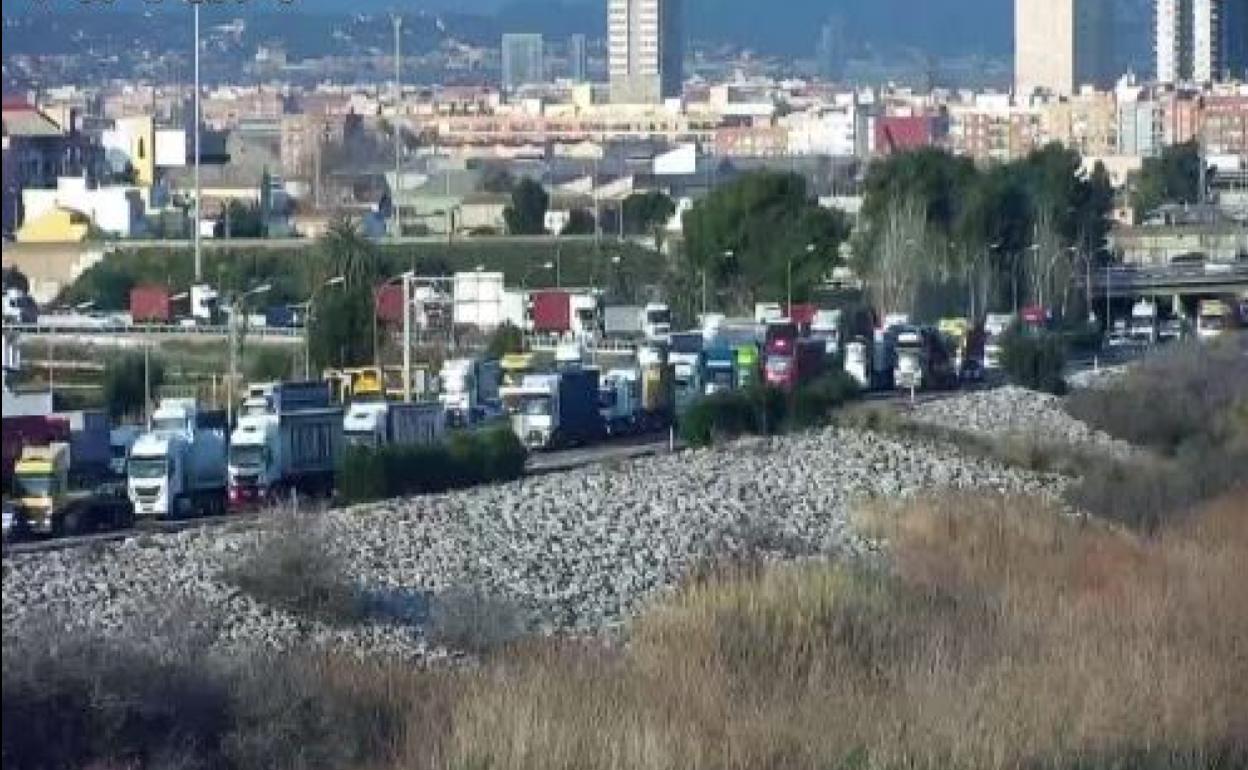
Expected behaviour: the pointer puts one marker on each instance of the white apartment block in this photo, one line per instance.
(645, 50)
(1200, 40)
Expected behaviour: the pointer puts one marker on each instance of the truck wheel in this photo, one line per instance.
(73, 522)
(123, 517)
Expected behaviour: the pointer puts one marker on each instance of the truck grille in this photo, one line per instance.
(147, 494)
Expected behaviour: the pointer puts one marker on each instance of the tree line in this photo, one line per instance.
(936, 235)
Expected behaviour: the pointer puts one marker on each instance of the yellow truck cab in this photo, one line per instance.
(41, 477)
(514, 366)
(48, 503)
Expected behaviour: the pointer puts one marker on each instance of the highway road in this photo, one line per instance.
(539, 463)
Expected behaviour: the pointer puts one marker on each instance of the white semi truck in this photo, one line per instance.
(469, 389)
(287, 440)
(178, 467)
(1143, 330)
(619, 401)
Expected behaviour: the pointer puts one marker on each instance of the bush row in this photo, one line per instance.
(763, 411)
(1035, 360)
(464, 460)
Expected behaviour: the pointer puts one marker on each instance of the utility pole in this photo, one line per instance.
(407, 336)
(398, 93)
(233, 362)
(199, 261)
(147, 383)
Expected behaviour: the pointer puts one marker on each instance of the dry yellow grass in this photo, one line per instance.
(1006, 637)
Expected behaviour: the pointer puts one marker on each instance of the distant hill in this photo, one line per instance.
(940, 27)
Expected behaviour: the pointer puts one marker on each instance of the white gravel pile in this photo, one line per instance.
(1013, 411)
(575, 551)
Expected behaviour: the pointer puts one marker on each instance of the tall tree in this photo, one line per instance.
(1173, 177)
(746, 237)
(124, 385)
(527, 213)
(341, 323)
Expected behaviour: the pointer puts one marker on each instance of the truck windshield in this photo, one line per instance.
(659, 317)
(168, 424)
(360, 437)
(779, 364)
(1212, 322)
(686, 343)
(35, 484)
(785, 330)
(535, 406)
(147, 467)
(244, 456)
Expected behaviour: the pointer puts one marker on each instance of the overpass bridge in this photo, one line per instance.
(1212, 279)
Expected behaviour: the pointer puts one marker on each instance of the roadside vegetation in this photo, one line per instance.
(466, 459)
(292, 272)
(1187, 403)
(1185, 407)
(765, 411)
(1004, 635)
(1035, 360)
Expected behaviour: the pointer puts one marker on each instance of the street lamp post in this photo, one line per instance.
(810, 249)
(198, 191)
(236, 307)
(398, 92)
(337, 280)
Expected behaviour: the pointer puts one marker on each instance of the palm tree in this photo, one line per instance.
(346, 252)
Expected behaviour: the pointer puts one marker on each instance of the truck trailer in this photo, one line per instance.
(379, 423)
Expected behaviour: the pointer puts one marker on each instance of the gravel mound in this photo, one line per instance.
(1013, 411)
(576, 551)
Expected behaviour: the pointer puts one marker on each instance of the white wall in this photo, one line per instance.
(170, 148)
(115, 210)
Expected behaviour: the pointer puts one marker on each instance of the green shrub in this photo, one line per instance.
(812, 404)
(362, 474)
(1035, 360)
(765, 411)
(724, 416)
(466, 459)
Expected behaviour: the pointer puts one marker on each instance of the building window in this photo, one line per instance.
(142, 149)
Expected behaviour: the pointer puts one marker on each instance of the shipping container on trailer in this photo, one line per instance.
(150, 303)
(551, 311)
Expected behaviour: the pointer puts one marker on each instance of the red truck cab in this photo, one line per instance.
(792, 364)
